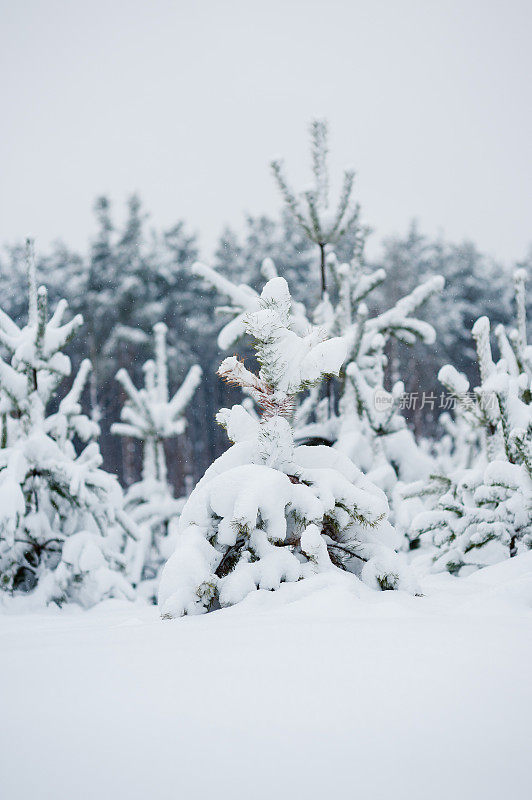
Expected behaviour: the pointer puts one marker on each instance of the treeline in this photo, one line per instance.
(135, 275)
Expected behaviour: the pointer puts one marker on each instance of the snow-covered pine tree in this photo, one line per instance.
(152, 417)
(268, 511)
(369, 426)
(375, 437)
(473, 283)
(483, 513)
(55, 506)
(133, 277)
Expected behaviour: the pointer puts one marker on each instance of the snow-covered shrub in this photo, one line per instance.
(55, 506)
(152, 417)
(268, 511)
(482, 512)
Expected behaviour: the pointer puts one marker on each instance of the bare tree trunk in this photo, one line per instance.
(322, 269)
(329, 389)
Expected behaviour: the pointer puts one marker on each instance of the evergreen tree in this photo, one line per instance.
(377, 438)
(475, 285)
(152, 417)
(482, 513)
(268, 511)
(369, 422)
(55, 506)
(133, 280)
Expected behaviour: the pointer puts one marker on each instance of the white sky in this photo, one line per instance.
(186, 102)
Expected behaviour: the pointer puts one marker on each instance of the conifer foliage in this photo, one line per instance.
(322, 222)
(483, 513)
(151, 416)
(268, 511)
(56, 506)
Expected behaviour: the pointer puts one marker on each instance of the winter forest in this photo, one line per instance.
(111, 369)
(266, 506)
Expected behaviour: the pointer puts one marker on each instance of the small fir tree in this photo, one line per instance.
(55, 506)
(152, 417)
(268, 511)
(482, 513)
(369, 427)
(360, 416)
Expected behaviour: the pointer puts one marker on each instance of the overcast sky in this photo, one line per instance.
(186, 102)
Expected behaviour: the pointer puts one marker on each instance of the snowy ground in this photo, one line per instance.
(321, 690)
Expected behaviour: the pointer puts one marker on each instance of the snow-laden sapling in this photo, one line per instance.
(152, 417)
(56, 506)
(377, 439)
(268, 511)
(483, 512)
